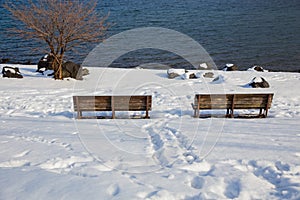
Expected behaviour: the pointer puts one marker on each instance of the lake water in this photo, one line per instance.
(244, 32)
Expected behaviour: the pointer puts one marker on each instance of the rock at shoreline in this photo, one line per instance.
(173, 73)
(72, 70)
(230, 67)
(259, 82)
(208, 75)
(11, 72)
(193, 76)
(203, 66)
(219, 79)
(85, 72)
(45, 63)
(257, 68)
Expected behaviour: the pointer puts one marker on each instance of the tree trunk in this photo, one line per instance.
(58, 67)
(55, 66)
(61, 60)
(60, 71)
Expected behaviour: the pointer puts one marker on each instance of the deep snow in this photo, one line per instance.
(47, 154)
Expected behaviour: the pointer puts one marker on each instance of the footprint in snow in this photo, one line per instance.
(15, 163)
(113, 190)
(197, 182)
(22, 154)
(233, 189)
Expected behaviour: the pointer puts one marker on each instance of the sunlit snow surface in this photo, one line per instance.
(45, 153)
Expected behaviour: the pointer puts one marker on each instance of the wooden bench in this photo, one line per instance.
(232, 102)
(111, 103)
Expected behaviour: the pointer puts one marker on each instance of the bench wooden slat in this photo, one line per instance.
(130, 103)
(232, 102)
(112, 103)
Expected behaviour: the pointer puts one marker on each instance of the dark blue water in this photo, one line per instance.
(244, 32)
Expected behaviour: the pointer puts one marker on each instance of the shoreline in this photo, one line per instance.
(157, 68)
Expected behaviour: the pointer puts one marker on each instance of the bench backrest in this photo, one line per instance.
(109, 103)
(237, 101)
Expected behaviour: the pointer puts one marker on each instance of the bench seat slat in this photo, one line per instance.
(112, 103)
(231, 102)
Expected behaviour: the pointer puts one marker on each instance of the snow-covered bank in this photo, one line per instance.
(46, 154)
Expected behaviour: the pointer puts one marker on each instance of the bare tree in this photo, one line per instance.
(61, 24)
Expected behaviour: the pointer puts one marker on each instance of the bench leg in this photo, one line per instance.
(263, 113)
(113, 115)
(232, 105)
(196, 113)
(260, 112)
(79, 114)
(196, 108)
(266, 113)
(227, 113)
(147, 115)
(231, 114)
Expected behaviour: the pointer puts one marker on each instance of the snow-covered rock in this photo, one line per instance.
(190, 75)
(259, 82)
(230, 67)
(257, 68)
(219, 79)
(173, 73)
(208, 75)
(203, 66)
(11, 72)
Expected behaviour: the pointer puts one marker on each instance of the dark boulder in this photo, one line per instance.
(230, 67)
(208, 75)
(259, 82)
(11, 72)
(173, 73)
(45, 63)
(257, 68)
(219, 80)
(193, 76)
(72, 70)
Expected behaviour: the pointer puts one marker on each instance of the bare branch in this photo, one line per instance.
(61, 24)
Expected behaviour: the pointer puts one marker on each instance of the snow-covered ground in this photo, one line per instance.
(47, 154)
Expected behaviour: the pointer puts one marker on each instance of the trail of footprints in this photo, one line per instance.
(40, 139)
(168, 146)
